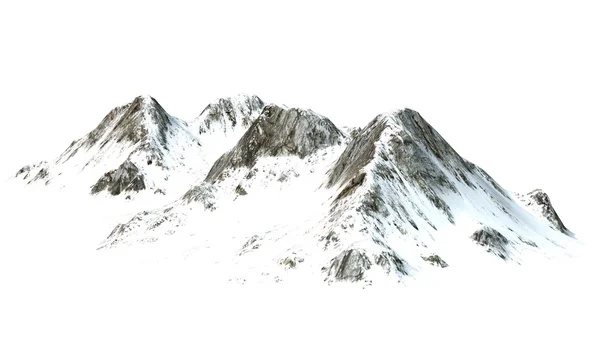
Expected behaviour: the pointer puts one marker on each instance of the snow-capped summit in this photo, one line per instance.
(399, 184)
(135, 147)
(228, 114)
(139, 146)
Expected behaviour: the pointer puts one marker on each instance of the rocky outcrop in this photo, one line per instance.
(226, 114)
(541, 201)
(130, 123)
(406, 140)
(279, 132)
(435, 260)
(349, 265)
(493, 240)
(127, 178)
(31, 173)
(203, 194)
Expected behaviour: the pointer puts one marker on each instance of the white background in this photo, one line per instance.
(512, 86)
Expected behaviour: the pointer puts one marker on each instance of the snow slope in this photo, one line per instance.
(298, 200)
(55, 282)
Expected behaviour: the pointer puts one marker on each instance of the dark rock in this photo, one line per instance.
(203, 193)
(278, 132)
(251, 244)
(405, 147)
(126, 178)
(410, 144)
(292, 262)
(389, 261)
(42, 174)
(435, 260)
(542, 199)
(358, 153)
(331, 237)
(127, 124)
(226, 114)
(24, 171)
(493, 240)
(352, 185)
(350, 265)
(239, 190)
(528, 242)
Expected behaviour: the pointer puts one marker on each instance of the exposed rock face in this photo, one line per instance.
(226, 114)
(349, 265)
(435, 260)
(126, 178)
(493, 240)
(279, 132)
(404, 150)
(541, 200)
(31, 173)
(203, 193)
(411, 140)
(142, 121)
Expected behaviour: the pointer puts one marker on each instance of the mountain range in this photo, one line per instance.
(273, 193)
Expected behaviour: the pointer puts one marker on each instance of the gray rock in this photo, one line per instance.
(435, 260)
(390, 261)
(204, 194)
(251, 244)
(349, 265)
(493, 240)
(542, 199)
(411, 148)
(291, 262)
(278, 132)
(130, 126)
(227, 113)
(126, 178)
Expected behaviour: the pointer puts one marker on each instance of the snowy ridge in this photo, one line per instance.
(227, 114)
(296, 199)
(140, 147)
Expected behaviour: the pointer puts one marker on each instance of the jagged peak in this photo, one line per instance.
(227, 113)
(279, 132)
(142, 121)
(392, 131)
(542, 201)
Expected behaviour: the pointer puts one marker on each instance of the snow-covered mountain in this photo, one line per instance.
(139, 147)
(299, 199)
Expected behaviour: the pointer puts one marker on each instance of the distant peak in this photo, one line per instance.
(146, 97)
(228, 113)
(145, 100)
(279, 132)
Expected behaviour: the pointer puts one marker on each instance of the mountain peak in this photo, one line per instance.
(279, 132)
(229, 113)
(540, 201)
(401, 133)
(131, 122)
